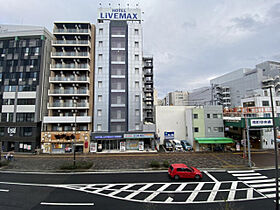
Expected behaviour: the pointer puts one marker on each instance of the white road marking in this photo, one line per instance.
(259, 181)
(252, 174)
(248, 171)
(250, 193)
(4, 190)
(67, 204)
(169, 200)
(263, 185)
(268, 190)
(212, 177)
(214, 192)
(162, 188)
(195, 192)
(181, 187)
(254, 177)
(150, 197)
(232, 191)
(138, 191)
(121, 189)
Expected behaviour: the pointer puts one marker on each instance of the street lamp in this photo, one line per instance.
(275, 146)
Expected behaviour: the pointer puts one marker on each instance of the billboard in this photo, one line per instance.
(119, 14)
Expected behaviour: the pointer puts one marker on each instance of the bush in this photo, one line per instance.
(4, 163)
(155, 164)
(79, 165)
(165, 164)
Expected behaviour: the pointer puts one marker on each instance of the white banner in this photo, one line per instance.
(261, 122)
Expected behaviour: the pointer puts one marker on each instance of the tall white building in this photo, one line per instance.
(119, 80)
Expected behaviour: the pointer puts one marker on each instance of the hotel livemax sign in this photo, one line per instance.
(119, 14)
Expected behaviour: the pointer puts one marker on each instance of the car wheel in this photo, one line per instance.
(197, 177)
(176, 177)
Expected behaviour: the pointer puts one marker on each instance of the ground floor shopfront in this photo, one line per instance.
(214, 144)
(116, 142)
(19, 137)
(65, 142)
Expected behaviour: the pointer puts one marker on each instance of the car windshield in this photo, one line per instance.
(171, 168)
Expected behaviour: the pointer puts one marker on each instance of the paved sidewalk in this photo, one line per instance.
(127, 161)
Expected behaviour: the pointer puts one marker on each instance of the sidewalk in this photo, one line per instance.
(127, 161)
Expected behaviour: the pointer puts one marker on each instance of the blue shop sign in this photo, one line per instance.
(168, 135)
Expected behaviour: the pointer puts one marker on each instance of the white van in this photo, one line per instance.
(177, 144)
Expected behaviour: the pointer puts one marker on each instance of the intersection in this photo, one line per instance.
(251, 188)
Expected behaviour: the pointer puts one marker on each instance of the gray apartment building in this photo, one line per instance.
(24, 68)
(118, 90)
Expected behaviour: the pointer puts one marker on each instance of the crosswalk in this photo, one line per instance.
(263, 184)
(173, 193)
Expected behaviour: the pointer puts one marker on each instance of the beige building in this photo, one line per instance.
(176, 98)
(70, 104)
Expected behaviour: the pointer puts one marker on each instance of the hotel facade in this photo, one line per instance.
(119, 83)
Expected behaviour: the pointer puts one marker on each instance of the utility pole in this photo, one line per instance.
(248, 141)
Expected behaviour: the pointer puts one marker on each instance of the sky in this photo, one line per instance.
(192, 41)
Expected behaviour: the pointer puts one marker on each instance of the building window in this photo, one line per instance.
(2, 131)
(137, 112)
(277, 103)
(100, 56)
(10, 117)
(8, 102)
(99, 84)
(137, 126)
(136, 70)
(27, 131)
(26, 102)
(3, 117)
(218, 129)
(208, 116)
(136, 84)
(100, 31)
(195, 116)
(265, 103)
(99, 70)
(99, 112)
(99, 98)
(137, 97)
(25, 117)
(266, 115)
(209, 129)
(137, 57)
(265, 93)
(99, 126)
(196, 129)
(100, 44)
(219, 116)
(136, 44)
(136, 31)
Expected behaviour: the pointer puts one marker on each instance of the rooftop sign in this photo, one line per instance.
(119, 14)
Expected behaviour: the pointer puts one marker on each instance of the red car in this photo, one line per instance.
(180, 171)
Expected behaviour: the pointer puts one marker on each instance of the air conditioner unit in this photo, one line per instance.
(3, 55)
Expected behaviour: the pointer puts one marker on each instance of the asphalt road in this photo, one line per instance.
(145, 190)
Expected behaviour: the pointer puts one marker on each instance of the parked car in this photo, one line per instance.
(177, 145)
(181, 171)
(186, 145)
(168, 146)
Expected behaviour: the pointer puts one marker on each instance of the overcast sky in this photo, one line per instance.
(192, 41)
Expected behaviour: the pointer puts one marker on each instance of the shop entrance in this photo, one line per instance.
(110, 144)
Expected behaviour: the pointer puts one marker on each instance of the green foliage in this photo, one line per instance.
(165, 164)
(155, 164)
(78, 165)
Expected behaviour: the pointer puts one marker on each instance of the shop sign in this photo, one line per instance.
(132, 144)
(108, 137)
(139, 136)
(93, 146)
(168, 135)
(261, 122)
(122, 146)
(141, 145)
(12, 131)
(46, 147)
(119, 14)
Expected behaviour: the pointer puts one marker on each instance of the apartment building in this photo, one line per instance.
(176, 98)
(119, 82)
(68, 123)
(228, 89)
(24, 69)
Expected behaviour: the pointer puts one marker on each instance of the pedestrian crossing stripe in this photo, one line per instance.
(175, 193)
(262, 184)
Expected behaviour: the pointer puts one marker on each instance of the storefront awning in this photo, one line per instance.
(216, 140)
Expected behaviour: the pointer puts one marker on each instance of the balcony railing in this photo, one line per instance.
(68, 92)
(68, 104)
(70, 66)
(71, 42)
(74, 30)
(70, 54)
(68, 79)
